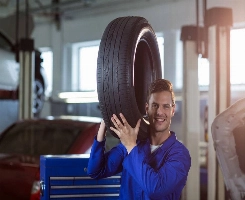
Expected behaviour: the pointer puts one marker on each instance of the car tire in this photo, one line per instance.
(128, 61)
(39, 94)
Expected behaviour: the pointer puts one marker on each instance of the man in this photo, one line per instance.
(156, 168)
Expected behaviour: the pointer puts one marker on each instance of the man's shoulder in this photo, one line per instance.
(181, 145)
(177, 142)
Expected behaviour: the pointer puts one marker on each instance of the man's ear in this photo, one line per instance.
(173, 111)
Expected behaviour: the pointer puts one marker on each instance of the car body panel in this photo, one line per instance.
(17, 174)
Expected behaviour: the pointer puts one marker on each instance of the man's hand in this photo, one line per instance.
(101, 132)
(125, 132)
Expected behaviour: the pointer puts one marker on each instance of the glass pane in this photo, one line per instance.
(237, 58)
(88, 66)
(38, 139)
(203, 71)
(15, 141)
(160, 41)
(47, 64)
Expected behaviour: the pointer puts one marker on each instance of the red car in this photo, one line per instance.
(23, 142)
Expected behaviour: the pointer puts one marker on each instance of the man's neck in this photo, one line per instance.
(159, 137)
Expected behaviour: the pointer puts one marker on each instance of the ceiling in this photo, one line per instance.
(67, 9)
(39, 7)
(32, 12)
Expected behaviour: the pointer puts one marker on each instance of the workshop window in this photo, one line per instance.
(88, 65)
(87, 68)
(203, 72)
(237, 61)
(160, 41)
(47, 64)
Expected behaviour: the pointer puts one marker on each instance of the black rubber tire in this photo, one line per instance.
(128, 61)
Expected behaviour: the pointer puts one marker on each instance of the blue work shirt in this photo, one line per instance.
(160, 175)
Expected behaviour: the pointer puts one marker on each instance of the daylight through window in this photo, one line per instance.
(88, 65)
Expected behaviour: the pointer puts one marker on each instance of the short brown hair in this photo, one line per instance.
(160, 85)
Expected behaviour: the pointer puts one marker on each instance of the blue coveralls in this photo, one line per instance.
(160, 175)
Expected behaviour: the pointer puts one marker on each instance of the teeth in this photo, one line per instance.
(160, 120)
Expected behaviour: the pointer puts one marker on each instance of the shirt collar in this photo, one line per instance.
(168, 142)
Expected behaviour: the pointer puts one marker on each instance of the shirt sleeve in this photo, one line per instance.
(104, 164)
(162, 181)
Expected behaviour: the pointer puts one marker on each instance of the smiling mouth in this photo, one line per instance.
(160, 120)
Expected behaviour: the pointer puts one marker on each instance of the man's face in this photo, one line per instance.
(160, 110)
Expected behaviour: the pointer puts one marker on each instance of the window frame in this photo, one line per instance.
(48, 73)
(76, 62)
(78, 96)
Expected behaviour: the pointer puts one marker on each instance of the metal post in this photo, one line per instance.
(191, 109)
(218, 21)
(26, 87)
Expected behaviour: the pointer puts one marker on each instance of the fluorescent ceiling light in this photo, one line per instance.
(66, 95)
(79, 97)
(82, 100)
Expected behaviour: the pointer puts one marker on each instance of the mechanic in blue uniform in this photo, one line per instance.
(156, 168)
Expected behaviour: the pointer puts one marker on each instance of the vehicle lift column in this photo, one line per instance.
(26, 88)
(191, 109)
(217, 22)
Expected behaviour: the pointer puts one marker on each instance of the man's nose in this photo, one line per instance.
(160, 110)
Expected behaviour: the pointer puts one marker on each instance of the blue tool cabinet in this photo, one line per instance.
(65, 177)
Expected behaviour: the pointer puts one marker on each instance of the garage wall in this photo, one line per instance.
(166, 17)
(169, 15)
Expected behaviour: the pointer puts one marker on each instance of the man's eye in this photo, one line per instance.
(166, 106)
(154, 106)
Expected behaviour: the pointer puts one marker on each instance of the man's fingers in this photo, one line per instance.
(116, 121)
(115, 131)
(113, 121)
(123, 119)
